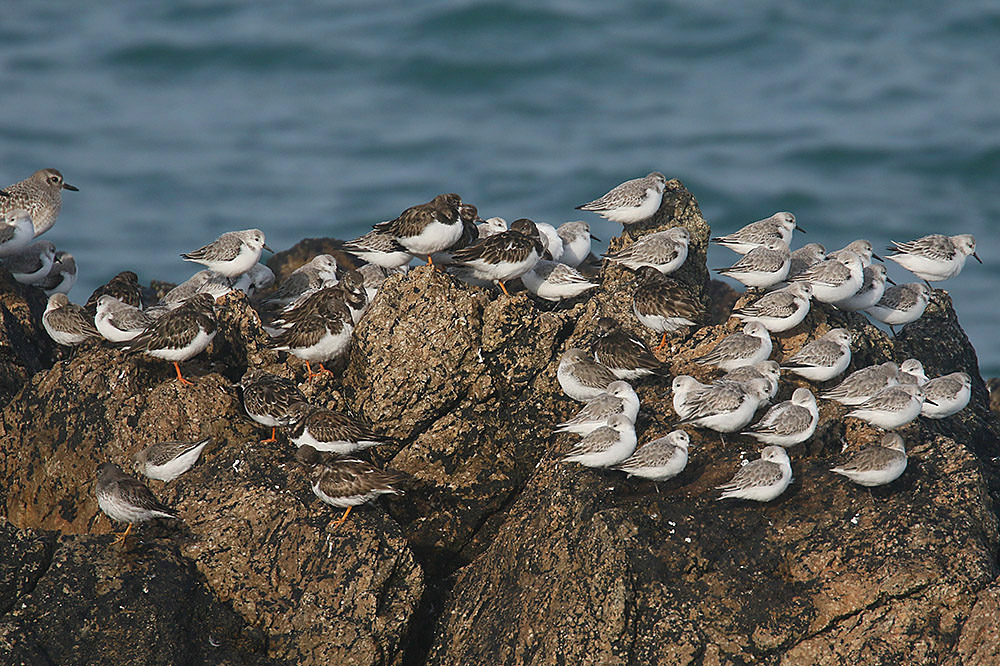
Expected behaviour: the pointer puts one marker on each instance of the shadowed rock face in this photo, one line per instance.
(498, 553)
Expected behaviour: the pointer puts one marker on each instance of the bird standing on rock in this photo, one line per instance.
(631, 202)
(503, 256)
(40, 194)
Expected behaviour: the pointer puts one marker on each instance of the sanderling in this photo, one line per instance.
(126, 499)
(685, 388)
(166, 461)
(834, 280)
(860, 247)
(863, 384)
(552, 242)
(763, 266)
(16, 232)
(769, 370)
(581, 377)
(312, 276)
(664, 304)
(505, 256)
(620, 398)
(824, 358)
(379, 248)
(232, 254)
(374, 277)
(40, 194)
(268, 399)
(877, 465)
(901, 304)
(330, 431)
(891, 407)
(427, 228)
(761, 480)
(777, 227)
(124, 286)
(576, 238)
(180, 334)
(911, 371)
(606, 446)
(319, 330)
(33, 263)
(633, 201)
(751, 345)
(949, 395)
(555, 281)
(345, 482)
(67, 323)
(659, 460)
(491, 226)
(62, 276)
(788, 423)
(119, 322)
(725, 406)
(873, 280)
(203, 282)
(935, 258)
(624, 354)
(665, 251)
(808, 255)
(779, 310)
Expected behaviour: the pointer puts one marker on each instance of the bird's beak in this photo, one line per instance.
(928, 401)
(798, 228)
(593, 237)
(977, 257)
(268, 249)
(875, 256)
(71, 188)
(890, 281)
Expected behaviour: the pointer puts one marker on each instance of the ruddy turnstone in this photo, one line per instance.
(67, 323)
(608, 445)
(581, 377)
(426, 228)
(120, 322)
(876, 465)
(319, 330)
(777, 227)
(16, 232)
(345, 482)
(665, 251)
(232, 254)
(125, 499)
(124, 286)
(658, 460)
(788, 423)
(779, 310)
(619, 398)
(633, 201)
(330, 431)
(761, 480)
(505, 256)
(624, 354)
(180, 334)
(664, 304)
(271, 400)
(824, 358)
(935, 258)
(165, 461)
(555, 281)
(751, 345)
(40, 194)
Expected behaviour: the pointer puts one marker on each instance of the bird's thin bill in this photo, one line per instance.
(798, 228)
(593, 237)
(71, 188)
(977, 257)
(875, 256)
(268, 249)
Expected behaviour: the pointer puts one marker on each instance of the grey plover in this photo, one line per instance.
(40, 194)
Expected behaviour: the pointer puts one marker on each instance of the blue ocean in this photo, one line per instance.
(181, 120)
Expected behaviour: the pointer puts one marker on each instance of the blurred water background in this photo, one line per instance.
(181, 120)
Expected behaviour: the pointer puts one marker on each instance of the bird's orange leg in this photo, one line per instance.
(121, 537)
(180, 378)
(272, 438)
(663, 342)
(340, 521)
(503, 288)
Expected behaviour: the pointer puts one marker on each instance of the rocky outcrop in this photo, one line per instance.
(498, 553)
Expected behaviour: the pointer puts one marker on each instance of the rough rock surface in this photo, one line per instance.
(498, 553)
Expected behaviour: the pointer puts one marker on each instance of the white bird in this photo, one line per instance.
(892, 407)
(777, 227)
(876, 465)
(660, 459)
(750, 346)
(633, 201)
(555, 281)
(824, 358)
(232, 254)
(620, 398)
(608, 445)
(935, 258)
(779, 310)
(761, 480)
(946, 395)
(788, 423)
